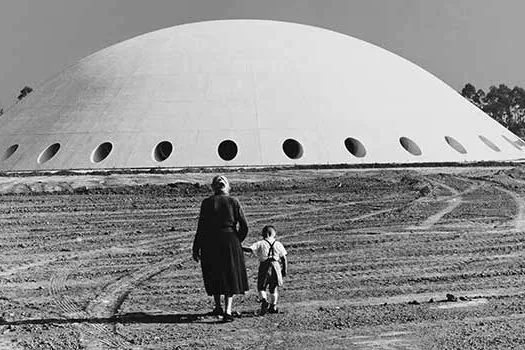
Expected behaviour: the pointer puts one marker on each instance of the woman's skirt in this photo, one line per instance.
(223, 267)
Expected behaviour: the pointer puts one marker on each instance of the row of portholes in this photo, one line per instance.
(293, 149)
(227, 150)
(161, 152)
(355, 147)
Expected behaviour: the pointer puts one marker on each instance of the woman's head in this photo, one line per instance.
(220, 184)
(268, 231)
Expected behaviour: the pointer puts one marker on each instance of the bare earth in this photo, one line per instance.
(103, 262)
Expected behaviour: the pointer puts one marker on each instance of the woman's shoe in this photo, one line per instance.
(216, 312)
(273, 309)
(227, 318)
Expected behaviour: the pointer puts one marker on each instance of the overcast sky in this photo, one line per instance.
(460, 41)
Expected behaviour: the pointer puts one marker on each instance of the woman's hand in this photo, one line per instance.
(196, 256)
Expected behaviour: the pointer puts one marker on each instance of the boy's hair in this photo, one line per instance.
(267, 231)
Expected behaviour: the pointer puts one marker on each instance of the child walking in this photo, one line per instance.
(273, 266)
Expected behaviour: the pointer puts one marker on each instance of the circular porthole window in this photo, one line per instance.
(162, 151)
(227, 150)
(9, 152)
(452, 142)
(520, 143)
(410, 146)
(355, 147)
(293, 149)
(513, 143)
(101, 152)
(49, 153)
(489, 143)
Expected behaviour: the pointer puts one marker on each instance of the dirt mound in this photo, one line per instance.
(419, 184)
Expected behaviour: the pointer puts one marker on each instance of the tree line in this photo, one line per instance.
(503, 104)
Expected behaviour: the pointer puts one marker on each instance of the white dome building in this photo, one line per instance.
(245, 93)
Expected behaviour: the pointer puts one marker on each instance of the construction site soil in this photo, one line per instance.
(426, 258)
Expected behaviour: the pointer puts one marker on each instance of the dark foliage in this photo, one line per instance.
(503, 104)
(24, 92)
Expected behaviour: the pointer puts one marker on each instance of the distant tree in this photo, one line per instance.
(468, 91)
(1, 111)
(498, 102)
(24, 92)
(505, 105)
(479, 97)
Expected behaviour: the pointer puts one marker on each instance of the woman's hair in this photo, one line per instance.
(220, 184)
(267, 231)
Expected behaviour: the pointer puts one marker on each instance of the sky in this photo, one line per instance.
(459, 41)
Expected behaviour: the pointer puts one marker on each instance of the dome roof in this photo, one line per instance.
(246, 93)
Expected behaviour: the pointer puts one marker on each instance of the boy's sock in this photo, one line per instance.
(273, 297)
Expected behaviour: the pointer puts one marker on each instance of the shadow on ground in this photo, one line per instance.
(129, 318)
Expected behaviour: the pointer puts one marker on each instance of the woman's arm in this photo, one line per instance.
(199, 235)
(243, 225)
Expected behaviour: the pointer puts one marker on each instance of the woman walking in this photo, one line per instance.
(217, 245)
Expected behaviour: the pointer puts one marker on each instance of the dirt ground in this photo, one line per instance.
(427, 258)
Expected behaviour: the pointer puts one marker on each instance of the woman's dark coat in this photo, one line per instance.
(221, 229)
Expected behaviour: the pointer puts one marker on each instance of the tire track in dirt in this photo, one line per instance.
(66, 306)
(94, 335)
(519, 219)
(69, 309)
(386, 341)
(454, 201)
(312, 210)
(332, 223)
(106, 304)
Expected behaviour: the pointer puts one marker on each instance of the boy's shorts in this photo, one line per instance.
(267, 277)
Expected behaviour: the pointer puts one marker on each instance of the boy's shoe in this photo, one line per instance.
(273, 309)
(264, 307)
